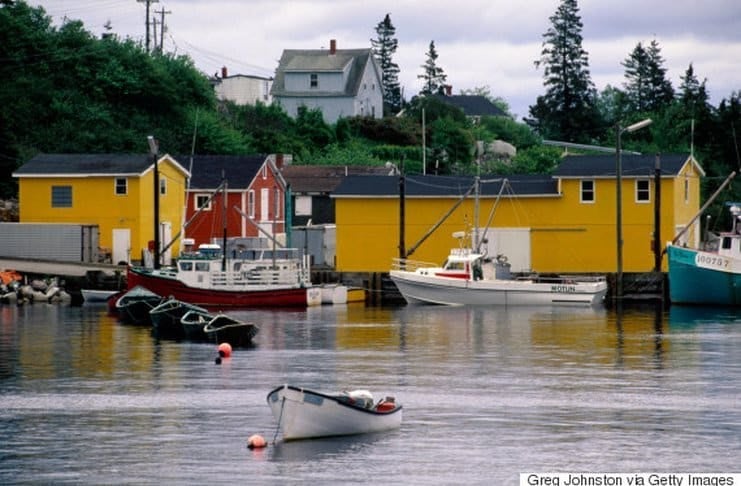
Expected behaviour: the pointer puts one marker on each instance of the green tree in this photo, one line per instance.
(434, 77)
(647, 88)
(384, 48)
(567, 110)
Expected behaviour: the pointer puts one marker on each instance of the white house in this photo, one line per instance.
(242, 89)
(339, 82)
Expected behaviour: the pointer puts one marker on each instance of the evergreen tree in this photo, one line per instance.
(637, 78)
(567, 110)
(384, 48)
(433, 76)
(646, 87)
(661, 92)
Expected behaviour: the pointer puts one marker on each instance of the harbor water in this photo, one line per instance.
(488, 394)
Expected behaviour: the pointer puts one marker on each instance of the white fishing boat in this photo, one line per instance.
(304, 414)
(470, 277)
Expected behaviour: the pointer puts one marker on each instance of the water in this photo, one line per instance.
(487, 394)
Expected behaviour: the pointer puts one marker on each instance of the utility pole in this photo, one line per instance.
(146, 19)
(162, 13)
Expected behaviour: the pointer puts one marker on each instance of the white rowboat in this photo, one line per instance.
(304, 414)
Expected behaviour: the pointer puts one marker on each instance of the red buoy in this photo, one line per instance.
(256, 441)
(225, 350)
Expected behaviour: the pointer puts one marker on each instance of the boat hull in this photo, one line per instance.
(91, 296)
(166, 317)
(430, 289)
(304, 414)
(699, 277)
(162, 285)
(224, 329)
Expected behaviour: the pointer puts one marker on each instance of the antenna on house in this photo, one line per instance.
(692, 138)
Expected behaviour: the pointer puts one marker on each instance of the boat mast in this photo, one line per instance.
(703, 208)
(223, 246)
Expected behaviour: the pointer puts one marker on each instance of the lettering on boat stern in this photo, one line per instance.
(563, 288)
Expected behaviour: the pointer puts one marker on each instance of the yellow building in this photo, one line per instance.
(564, 222)
(112, 191)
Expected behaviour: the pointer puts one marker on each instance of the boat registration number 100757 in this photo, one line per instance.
(712, 261)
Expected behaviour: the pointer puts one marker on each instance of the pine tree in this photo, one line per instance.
(433, 76)
(384, 48)
(637, 78)
(661, 92)
(647, 87)
(568, 109)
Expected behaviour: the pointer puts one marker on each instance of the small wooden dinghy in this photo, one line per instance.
(304, 414)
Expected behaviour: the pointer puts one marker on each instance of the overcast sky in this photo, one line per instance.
(480, 43)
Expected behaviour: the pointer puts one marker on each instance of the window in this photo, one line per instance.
(264, 171)
(686, 190)
(163, 186)
(122, 186)
(202, 202)
(643, 190)
(251, 203)
(61, 196)
(587, 191)
(313, 80)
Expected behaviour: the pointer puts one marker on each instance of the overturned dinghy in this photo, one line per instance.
(305, 414)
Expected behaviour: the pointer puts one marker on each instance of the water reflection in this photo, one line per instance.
(558, 388)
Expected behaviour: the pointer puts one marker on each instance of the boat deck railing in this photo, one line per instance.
(264, 277)
(410, 265)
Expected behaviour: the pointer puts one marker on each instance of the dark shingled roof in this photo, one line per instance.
(209, 170)
(323, 178)
(89, 164)
(444, 186)
(320, 60)
(472, 105)
(632, 165)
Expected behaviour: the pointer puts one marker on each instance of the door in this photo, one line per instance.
(165, 237)
(264, 205)
(121, 251)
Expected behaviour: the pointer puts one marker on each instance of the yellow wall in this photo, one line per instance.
(565, 235)
(94, 202)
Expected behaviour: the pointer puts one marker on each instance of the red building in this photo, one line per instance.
(255, 202)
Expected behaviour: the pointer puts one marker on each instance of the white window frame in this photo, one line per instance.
(206, 205)
(124, 184)
(582, 191)
(251, 203)
(639, 191)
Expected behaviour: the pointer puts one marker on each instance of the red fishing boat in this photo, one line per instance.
(253, 278)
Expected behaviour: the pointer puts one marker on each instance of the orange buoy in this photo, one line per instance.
(256, 441)
(225, 350)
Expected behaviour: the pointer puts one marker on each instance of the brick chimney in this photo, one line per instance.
(448, 90)
(279, 161)
(332, 47)
(223, 71)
